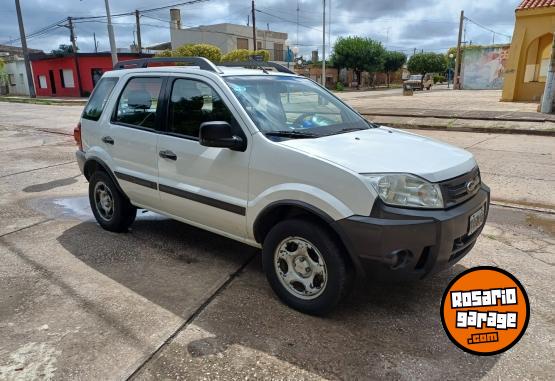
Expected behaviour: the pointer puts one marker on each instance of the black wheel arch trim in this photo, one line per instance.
(311, 209)
(106, 169)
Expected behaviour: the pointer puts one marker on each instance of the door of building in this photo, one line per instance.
(52, 81)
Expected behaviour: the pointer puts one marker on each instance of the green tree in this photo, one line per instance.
(63, 50)
(422, 63)
(393, 61)
(213, 53)
(359, 54)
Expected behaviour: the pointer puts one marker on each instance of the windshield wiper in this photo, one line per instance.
(291, 134)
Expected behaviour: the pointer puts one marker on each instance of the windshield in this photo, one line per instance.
(415, 77)
(293, 107)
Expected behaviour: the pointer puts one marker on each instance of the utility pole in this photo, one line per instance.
(456, 82)
(30, 83)
(138, 22)
(298, 9)
(111, 34)
(548, 93)
(75, 59)
(95, 43)
(324, 43)
(253, 25)
(329, 24)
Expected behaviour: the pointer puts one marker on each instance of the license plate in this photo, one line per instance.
(476, 220)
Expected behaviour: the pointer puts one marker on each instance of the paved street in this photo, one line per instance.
(168, 301)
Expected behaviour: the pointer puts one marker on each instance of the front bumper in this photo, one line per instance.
(406, 244)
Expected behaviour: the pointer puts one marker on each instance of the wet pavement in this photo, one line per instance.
(169, 301)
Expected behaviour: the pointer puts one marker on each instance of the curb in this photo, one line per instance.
(485, 130)
(45, 102)
(463, 117)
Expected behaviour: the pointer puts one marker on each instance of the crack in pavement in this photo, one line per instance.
(38, 169)
(26, 227)
(480, 142)
(195, 314)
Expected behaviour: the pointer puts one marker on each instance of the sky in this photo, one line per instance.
(402, 25)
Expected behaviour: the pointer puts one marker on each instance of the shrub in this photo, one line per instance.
(211, 52)
(240, 55)
(164, 53)
(339, 86)
(439, 79)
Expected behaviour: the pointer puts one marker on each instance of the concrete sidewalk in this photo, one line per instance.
(444, 109)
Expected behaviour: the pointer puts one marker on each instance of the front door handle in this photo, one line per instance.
(167, 154)
(108, 140)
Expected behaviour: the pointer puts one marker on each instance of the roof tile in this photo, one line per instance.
(530, 4)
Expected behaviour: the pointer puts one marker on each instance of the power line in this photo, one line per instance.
(486, 28)
(285, 20)
(37, 32)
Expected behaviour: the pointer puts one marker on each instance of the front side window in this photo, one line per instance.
(99, 97)
(193, 103)
(293, 107)
(138, 102)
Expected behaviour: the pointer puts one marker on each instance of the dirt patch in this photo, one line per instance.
(547, 224)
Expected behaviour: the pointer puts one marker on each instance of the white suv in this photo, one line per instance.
(274, 160)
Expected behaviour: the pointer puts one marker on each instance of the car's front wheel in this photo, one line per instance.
(110, 207)
(305, 266)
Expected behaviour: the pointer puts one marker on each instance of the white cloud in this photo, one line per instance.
(400, 24)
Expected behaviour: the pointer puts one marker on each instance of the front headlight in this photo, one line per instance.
(406, 190)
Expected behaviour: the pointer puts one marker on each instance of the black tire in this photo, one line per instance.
(122, 213)
(339, 274)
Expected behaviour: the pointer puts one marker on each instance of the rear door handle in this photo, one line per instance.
(108, 140)
(167, 154)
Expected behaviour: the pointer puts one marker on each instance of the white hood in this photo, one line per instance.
(386, 150)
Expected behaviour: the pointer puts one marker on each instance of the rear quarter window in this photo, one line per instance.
(95, 106)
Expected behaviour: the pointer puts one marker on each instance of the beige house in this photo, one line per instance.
(228, 37)
(529, 58)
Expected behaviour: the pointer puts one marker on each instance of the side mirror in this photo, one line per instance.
(220, 135)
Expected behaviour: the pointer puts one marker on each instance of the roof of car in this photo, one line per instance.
(224, 71)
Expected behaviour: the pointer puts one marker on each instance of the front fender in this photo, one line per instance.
(307, 194)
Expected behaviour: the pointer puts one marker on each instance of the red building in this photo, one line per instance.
(55, 76)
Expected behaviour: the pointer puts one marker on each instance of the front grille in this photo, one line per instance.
(456, 191)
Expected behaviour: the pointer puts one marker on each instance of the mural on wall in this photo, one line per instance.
(483, 67)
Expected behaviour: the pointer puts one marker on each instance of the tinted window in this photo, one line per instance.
(138, 102)
(99, 97)
(193, 103)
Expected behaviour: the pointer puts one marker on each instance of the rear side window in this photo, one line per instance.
(138, 102)
(99, 97)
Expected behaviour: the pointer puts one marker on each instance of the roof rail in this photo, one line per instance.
(201, 62)
(257, 65)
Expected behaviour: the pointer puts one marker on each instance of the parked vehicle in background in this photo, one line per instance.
(275, 161)
(420, 81)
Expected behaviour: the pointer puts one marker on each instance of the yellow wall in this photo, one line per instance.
(531, 45)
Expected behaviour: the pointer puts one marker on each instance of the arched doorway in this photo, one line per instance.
(538, 58)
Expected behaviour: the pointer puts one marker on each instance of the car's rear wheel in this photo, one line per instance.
(110, 207)
(305, 266)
